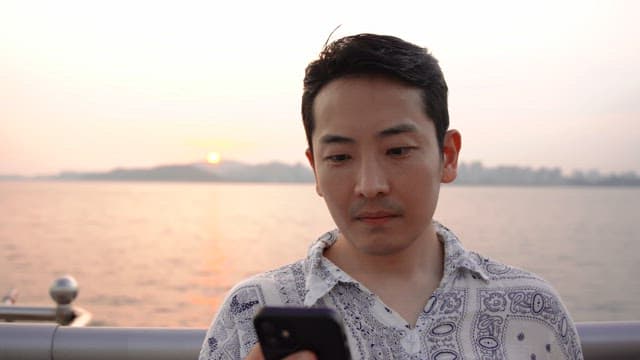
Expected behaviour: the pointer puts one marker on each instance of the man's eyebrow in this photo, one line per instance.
(394, 130)
(398, 129)
(336, 139)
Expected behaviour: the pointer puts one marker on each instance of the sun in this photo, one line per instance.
(213, 157)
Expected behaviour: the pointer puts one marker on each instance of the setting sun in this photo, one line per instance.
(213, 157)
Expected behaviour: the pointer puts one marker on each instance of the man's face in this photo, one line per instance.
(377, 162)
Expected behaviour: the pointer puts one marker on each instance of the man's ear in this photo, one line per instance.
(312, 163)
(450, 151)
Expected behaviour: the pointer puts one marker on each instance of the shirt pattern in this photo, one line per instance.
(481, 310)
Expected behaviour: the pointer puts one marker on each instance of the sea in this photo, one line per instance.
(165, 254)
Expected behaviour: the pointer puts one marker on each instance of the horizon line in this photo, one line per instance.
(480, 163)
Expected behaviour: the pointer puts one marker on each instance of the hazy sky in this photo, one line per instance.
(92, 85)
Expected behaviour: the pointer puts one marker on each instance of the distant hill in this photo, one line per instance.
(228, 171)
(276, 172)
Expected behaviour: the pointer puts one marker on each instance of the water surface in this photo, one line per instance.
(164, 254)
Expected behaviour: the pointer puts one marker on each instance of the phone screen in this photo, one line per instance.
(285, 330)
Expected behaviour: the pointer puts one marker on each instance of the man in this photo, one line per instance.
(376, 119)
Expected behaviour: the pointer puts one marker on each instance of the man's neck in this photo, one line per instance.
(425, 255)
(403, 280)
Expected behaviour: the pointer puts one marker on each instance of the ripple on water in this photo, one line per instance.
(118, 300)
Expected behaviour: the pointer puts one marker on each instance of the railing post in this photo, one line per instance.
(63, 291)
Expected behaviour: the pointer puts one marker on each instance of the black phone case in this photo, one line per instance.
(285, 330)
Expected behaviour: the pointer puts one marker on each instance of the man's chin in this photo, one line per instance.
(379, 242)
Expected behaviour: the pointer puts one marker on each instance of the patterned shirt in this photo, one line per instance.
(481, 310)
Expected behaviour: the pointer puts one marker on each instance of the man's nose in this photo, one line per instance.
(372, 179)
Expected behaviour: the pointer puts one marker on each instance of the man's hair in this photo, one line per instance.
(378, 55)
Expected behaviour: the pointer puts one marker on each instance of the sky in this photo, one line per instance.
(94, 85)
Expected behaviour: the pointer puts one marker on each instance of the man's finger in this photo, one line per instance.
(302, 355)
(255, 353)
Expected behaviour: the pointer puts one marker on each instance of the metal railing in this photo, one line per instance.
(63, 291)
(600, 340)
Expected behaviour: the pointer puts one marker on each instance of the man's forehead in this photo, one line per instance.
(354, 108)
(333, 93)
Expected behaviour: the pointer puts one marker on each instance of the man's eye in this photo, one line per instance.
(338, 158)
(400, 151)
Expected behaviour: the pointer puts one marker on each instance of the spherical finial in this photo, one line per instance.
(64, 290)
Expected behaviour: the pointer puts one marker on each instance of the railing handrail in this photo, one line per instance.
(78, 316)
(29, 313)
(600, 340)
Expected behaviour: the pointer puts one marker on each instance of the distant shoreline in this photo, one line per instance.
(473, 174)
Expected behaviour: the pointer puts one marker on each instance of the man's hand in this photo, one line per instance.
(256, 354)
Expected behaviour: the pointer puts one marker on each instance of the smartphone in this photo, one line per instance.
(285, 330)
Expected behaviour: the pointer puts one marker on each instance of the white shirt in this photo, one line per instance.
(481, 310)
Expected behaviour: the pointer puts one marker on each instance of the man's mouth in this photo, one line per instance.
(376, 218)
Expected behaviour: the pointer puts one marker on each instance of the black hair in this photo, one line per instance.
(383, 55)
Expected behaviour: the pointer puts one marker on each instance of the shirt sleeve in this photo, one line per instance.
(568, 333)
(565, 333)
(540, 327)
(231, 335)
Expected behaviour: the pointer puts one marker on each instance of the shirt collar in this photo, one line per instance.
(322, 274)
(456, 257)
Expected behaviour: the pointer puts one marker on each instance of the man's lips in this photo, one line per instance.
(378, 212)
(377, 217)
